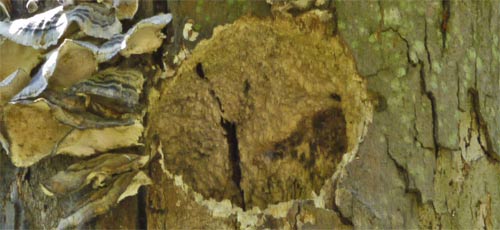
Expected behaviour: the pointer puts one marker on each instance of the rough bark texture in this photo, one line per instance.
(436, 143)
(269, 123)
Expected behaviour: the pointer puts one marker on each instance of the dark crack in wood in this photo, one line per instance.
(426, 45)
(483, 128)
(406, 43)
(200, 72)
(343, 219)
(19, 214)
(231, 137)
(429, 93)
(295, 219)
(234, 156)
(444, 21)
(432, 99)
(335, 19)
(404, 174)
(142, 217)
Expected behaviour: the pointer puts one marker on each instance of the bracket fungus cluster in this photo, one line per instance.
(72, 103)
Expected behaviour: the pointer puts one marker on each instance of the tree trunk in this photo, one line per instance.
(380, 114)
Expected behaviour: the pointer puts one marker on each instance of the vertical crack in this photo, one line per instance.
(428, 93)
(444, 21)
(435, 129)
(403, 173)
(234, 155)
(426, 45)
(343, 219)
(381, 21)
(15, 193)
(481, 124)
(142, 218)
(335, 19)
(296, 218)
(408, 58)
(432, 99)
(231, 137)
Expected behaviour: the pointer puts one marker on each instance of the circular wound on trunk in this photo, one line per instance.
(262, 112)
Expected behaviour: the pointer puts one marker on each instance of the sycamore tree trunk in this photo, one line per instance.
(376, 114)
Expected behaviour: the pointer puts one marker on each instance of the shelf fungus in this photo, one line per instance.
(94, 115)
(65, 66)
(98, 172)
(144, 37)
(26, 58)
(34, 133)
(32, 6)
(79, 100)
(102, 200)
(45, 29)
(5, 9)
(125, 9)
(91, 141)
(12, 84)
(121, 90)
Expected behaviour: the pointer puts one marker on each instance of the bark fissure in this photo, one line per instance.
(404, 40)
(381, 10)
(429, 60)
(424, 90)
(335, 20)
(403, 173)
(296, 217)
(19, 216)
(444, 21)
(458, 88)
(432, 99)
(482, 127)
(420, 143)
(341, 216)
(476, 106)
(428, 93)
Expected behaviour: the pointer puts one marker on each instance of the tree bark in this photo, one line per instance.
(425, 156)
